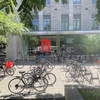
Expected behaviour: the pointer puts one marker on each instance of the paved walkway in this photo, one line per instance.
(55, 91)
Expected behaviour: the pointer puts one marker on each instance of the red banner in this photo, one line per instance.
(45, 45)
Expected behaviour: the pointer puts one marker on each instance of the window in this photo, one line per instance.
(46, 22)
(70, 49)
(94, 25)
(35, 23)
(67, 1)
(69, 40)
(47, 2)
(64, 22)
(94, 1)
(77, 1)
(77, 22)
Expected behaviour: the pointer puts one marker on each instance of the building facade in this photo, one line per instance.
(75, 15)
(56, 21)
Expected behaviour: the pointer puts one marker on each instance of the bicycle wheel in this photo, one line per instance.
(48, 67)
(2, 73)
(14, 68)
(31, 71)
(69, 76)
(64, 66)
(32, 67)
(28, 78)
(51, 78)
(20, 64)
(40, 84)
(16, 86)
(10, 71)
(87, 76)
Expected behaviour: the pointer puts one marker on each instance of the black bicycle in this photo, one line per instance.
(42, 72)
(19, 83)
(19, 63)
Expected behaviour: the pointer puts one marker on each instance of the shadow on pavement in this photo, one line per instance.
(39, 96)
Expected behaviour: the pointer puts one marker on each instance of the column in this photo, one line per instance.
(40, 21)
(58, 43)
(14, 48)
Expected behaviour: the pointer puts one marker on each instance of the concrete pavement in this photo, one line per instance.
(54, 91)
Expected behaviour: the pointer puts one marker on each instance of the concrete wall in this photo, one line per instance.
(14, 47)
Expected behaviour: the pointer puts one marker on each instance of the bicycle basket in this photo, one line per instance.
(9, 64)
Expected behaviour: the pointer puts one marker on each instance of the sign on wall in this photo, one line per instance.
(45, 45)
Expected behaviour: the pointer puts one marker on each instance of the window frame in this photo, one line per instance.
(63, 20)
(34, 21)
(93, 23)
(48, 2)
(94, 1)
(75, 18)
(67, 2)
(76, 2)
(47, 20)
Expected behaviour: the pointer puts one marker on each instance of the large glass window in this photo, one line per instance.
(77, 22)
(64, 22)
(47, 22)
(35, 23)
(69, 40)
(67, 1)
(47, 2)
(94, 25)
(77, 1)
(94, 1)
(70, 49)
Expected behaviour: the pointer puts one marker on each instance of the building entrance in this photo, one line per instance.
(71, 44)
(32, 44)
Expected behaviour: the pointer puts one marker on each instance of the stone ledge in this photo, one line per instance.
(71, 93)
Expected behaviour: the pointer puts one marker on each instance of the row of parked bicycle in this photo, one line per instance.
(38, 77)
(9, 65)
(63, 56)
(80, 71)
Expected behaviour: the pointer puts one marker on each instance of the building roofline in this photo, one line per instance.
(61, 32)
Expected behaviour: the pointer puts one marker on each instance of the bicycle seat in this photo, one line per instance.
(21, 72)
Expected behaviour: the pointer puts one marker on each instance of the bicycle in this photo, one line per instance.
(44, 63)
(19, 83)
(2, 72)
(78, 72)
(42, 72)
(4, 68)
(19, 63)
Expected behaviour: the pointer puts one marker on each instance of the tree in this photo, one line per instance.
(10, 25)
(87, 44)
(91, 44)
(77, 43)
(24, 9)
(33, 41)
